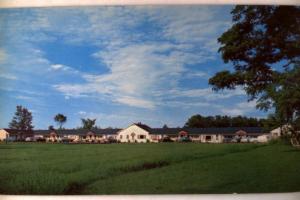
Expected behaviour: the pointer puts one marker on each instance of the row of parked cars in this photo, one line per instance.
(225, 140)
(241, 139)
(69, 140)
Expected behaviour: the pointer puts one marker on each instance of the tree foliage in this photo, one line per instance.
(51, 128)
(198, 121)
(60, 119)
(263, 45)
(22, 119)
(88, 123)
(165, 126)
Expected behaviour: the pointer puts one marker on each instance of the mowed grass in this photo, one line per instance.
(165, 168)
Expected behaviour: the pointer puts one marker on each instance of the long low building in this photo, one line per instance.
(141, 133)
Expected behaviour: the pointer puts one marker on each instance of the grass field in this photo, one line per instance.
(171, 168)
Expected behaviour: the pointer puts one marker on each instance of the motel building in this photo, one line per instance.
(140, 133)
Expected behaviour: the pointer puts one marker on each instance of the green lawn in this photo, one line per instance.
(148, 168)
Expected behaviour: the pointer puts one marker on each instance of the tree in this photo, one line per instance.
(60, 119)
(50, 128)
(263, 46)
(165, 126)
(88, 123)
(195, 121)
(198, 121)
(22, 120)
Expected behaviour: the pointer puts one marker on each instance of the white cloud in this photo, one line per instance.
(145, 68)
(3, 55)
(141, 71)
(8, 76)
(137, 73)
(22, 97)
(57, 66)
(205, 93)
(82, 113)
(122, 119)
(196, 74)
(135, 102)
(240, 108)
(63, 68)
(191, 24)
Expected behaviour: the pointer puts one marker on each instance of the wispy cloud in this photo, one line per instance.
(150, 58)
(3, 55)
(8, 76)
(63, 68)
(138, 71)
(240, 108)
(24, 97)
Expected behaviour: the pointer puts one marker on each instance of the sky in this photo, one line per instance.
(120, 65)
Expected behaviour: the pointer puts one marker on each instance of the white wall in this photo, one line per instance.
(214, 138)
(3, 134)
(133, 134)
(263, 138)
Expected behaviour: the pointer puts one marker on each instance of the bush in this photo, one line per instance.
(166, 139)
(184, 139)
(41, 140)
(285, 139)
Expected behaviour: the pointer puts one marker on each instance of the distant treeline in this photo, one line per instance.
(199, 121)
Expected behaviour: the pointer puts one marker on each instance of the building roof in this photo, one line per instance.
(197, 131)
(143, 126)
(16, 131)
(106, 131)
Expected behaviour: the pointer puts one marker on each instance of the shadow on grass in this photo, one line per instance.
(74, 188)
(145, 166)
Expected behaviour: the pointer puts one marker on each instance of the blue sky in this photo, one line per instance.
(117, 64)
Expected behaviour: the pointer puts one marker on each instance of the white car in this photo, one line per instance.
(245, 139)
(254, 140)
(28, 139)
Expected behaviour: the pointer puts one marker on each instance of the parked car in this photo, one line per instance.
(166, 139)
(234, 140)
(254, 140)
(66, 140)
(111, 140)
(227, 140)
(184, 139)
(41, 139)
(244, 139)
(28, 139)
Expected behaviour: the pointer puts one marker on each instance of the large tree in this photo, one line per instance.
(263, 45)
(60, 119)
(22, 120)
(88, 123)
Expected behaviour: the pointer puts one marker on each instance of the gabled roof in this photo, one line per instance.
(143, 126)
(15, 131)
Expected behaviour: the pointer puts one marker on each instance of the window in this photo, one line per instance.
(142, 136)
(121, 136)
(208, 137)
(127, 136)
